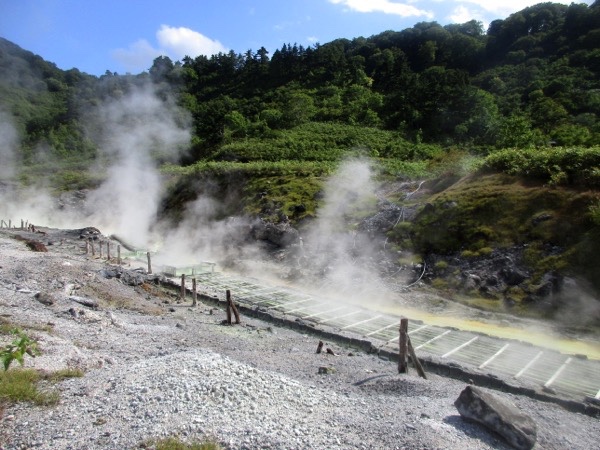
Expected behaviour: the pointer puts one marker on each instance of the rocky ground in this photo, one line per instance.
(155, 367)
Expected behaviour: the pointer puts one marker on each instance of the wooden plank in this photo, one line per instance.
(529, 364)
(362, 321)
(439, 336)
(415, 360)
(381, 329)
(469, 342)
(558, 372)
(324, 312)
(494, 356)
(340, 317)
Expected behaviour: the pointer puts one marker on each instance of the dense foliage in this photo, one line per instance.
(530, 81)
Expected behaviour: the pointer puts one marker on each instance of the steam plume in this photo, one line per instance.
(132, 132)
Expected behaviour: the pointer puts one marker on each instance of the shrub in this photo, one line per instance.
(17, 350)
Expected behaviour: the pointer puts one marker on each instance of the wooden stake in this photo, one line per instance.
(228, 311)
(149, 263)
(415, 360)
(183, 286)
(108, 250)
(100, 248)
(119, 254)
(402, 361)
(87, 246)
(194, 292)
(233, 307)
(93, 249)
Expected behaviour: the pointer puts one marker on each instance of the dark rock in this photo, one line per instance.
(45, 298)
(36, 246)
(280, 234)
(498, 415)
(541, 218)
(132, 278)
(513, 276)
(89, 233)
(90, 303)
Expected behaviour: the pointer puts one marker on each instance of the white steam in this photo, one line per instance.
(346, 259)
(8, 147)
(132, 131)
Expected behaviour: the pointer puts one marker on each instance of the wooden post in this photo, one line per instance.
(182, 286)
(320, 347)
(228, 311)
(9, 224)
(100, 248)
(87, 246)
(194, 292)
(233, 307)
(119, 254)
(93, 249)
(402, 360)
(415, 360)
(149, 263)
(22, 224)
(108, 250)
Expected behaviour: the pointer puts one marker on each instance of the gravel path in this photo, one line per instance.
(156, 368)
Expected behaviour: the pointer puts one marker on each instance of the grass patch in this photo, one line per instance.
(63, 374)
(173, 443)
(22, 385)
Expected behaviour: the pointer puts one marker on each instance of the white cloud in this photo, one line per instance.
(383, 6)
(184, 41)
(138, 56)
(461, 14)
(172, 42)
(505, 7)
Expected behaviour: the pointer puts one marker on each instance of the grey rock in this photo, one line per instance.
(498, 415)
(45, 298)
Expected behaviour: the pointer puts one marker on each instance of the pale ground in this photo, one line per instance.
(143, 353)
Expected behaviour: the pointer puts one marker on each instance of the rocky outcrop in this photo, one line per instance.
(278, 234)
(498, 415)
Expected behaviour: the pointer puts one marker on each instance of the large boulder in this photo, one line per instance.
(499, 415)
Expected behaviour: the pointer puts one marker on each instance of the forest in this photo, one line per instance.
(530, 80)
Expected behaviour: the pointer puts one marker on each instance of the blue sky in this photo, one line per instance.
(126, 35)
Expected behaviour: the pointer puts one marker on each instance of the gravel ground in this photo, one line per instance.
(155, 368)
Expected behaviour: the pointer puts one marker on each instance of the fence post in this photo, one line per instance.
(108, 250)
(87, 246)
(194, 292)
(402, 360)
(93, 249)
(149, 263)
(183, 286)
(119, 254)
(231, 305)
(100, 248)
